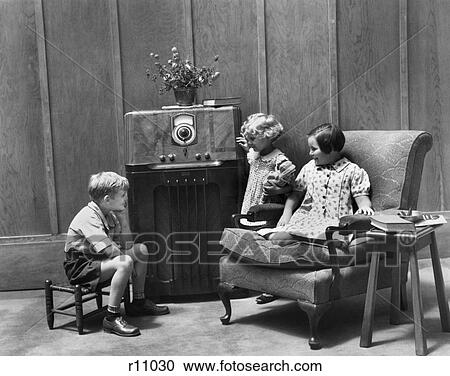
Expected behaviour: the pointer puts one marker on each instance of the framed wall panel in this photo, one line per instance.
(23, 198)
(228, 29)
(82, 99)
(150, 26)
(298, 71)
(368, 64)
(429, 93)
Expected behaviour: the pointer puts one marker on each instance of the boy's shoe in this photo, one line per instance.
(117, 325)
(146, 308)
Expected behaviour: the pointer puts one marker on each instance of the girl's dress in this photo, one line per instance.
(329, 192)
(274, 165)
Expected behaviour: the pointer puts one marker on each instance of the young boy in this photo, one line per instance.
(96, 252)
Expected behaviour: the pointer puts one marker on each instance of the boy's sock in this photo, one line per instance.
(112, 312)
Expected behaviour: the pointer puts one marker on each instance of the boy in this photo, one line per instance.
(96, 252)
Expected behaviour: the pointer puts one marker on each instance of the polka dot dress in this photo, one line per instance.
(329, 192)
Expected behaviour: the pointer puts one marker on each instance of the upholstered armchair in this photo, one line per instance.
(316, 276)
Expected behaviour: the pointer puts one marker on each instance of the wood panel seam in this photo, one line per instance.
(117, 82)
(404, 84)
(262, 58)
(46, 118)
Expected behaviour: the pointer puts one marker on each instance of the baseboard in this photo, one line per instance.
(25, 263)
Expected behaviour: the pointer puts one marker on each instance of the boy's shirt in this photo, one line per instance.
(91, 230)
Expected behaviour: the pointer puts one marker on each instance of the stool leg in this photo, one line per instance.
(421, 342)
(369, 306)
(440, 287)
(99, 298)
(49, 304)
(79, 308)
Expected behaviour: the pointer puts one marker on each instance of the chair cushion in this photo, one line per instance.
(249, 247)
(306, 285)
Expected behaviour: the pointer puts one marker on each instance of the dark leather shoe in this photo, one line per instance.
(147, 308)
(265, 298)
(119, 326)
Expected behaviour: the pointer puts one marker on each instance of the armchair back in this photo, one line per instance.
(394, 185)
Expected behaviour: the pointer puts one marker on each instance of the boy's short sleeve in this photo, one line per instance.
(360, 183)
(89, 226)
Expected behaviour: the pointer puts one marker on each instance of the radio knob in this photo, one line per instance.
(198, 156)
(171, 157)
(207, 156)
(162, 158)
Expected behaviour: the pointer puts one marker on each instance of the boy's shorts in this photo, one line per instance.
(83, 269)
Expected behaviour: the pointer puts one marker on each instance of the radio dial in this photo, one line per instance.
(198, 156)
(172, 157)
(207, 156)
(162, 158)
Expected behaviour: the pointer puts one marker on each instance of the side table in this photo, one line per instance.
(409, 244)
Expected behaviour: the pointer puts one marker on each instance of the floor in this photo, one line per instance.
(278, 328)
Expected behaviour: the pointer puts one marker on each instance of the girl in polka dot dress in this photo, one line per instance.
(271, 172)
(329, 182)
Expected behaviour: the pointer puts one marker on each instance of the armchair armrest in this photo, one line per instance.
(264, 212)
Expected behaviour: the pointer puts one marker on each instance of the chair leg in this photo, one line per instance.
(99, 298)
(315, 313)
(403, 297)
(224, 290)
(79, 308)
(49, 304)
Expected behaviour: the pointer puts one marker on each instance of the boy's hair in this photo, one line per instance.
(329, 137)
(106, 183)
(262, 125)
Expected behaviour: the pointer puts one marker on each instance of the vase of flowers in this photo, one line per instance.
(182, 76)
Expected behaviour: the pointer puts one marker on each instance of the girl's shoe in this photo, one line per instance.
(265, 298)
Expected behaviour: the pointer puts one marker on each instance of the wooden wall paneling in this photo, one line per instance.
(404, 91)
(23, 199)
(262, 58)
(82, 100)
(298, 66)
(150, 26)
(46, 123)
(368, 61)
(332, 53)
(26, 264)
(228, 29)
(427, 86)
(442, 15)
(117, 83)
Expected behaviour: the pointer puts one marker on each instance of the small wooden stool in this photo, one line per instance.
(81, 295)
(424, 237)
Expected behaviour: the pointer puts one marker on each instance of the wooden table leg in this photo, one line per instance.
(421, 342)
(440, 286)
(369, 307)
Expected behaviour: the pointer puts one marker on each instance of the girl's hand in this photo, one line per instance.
(366, 210)
(242, 142)
(284, 220)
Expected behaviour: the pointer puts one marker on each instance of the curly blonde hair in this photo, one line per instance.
(260, 124)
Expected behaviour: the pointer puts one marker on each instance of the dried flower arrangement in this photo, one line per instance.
(179, 73)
